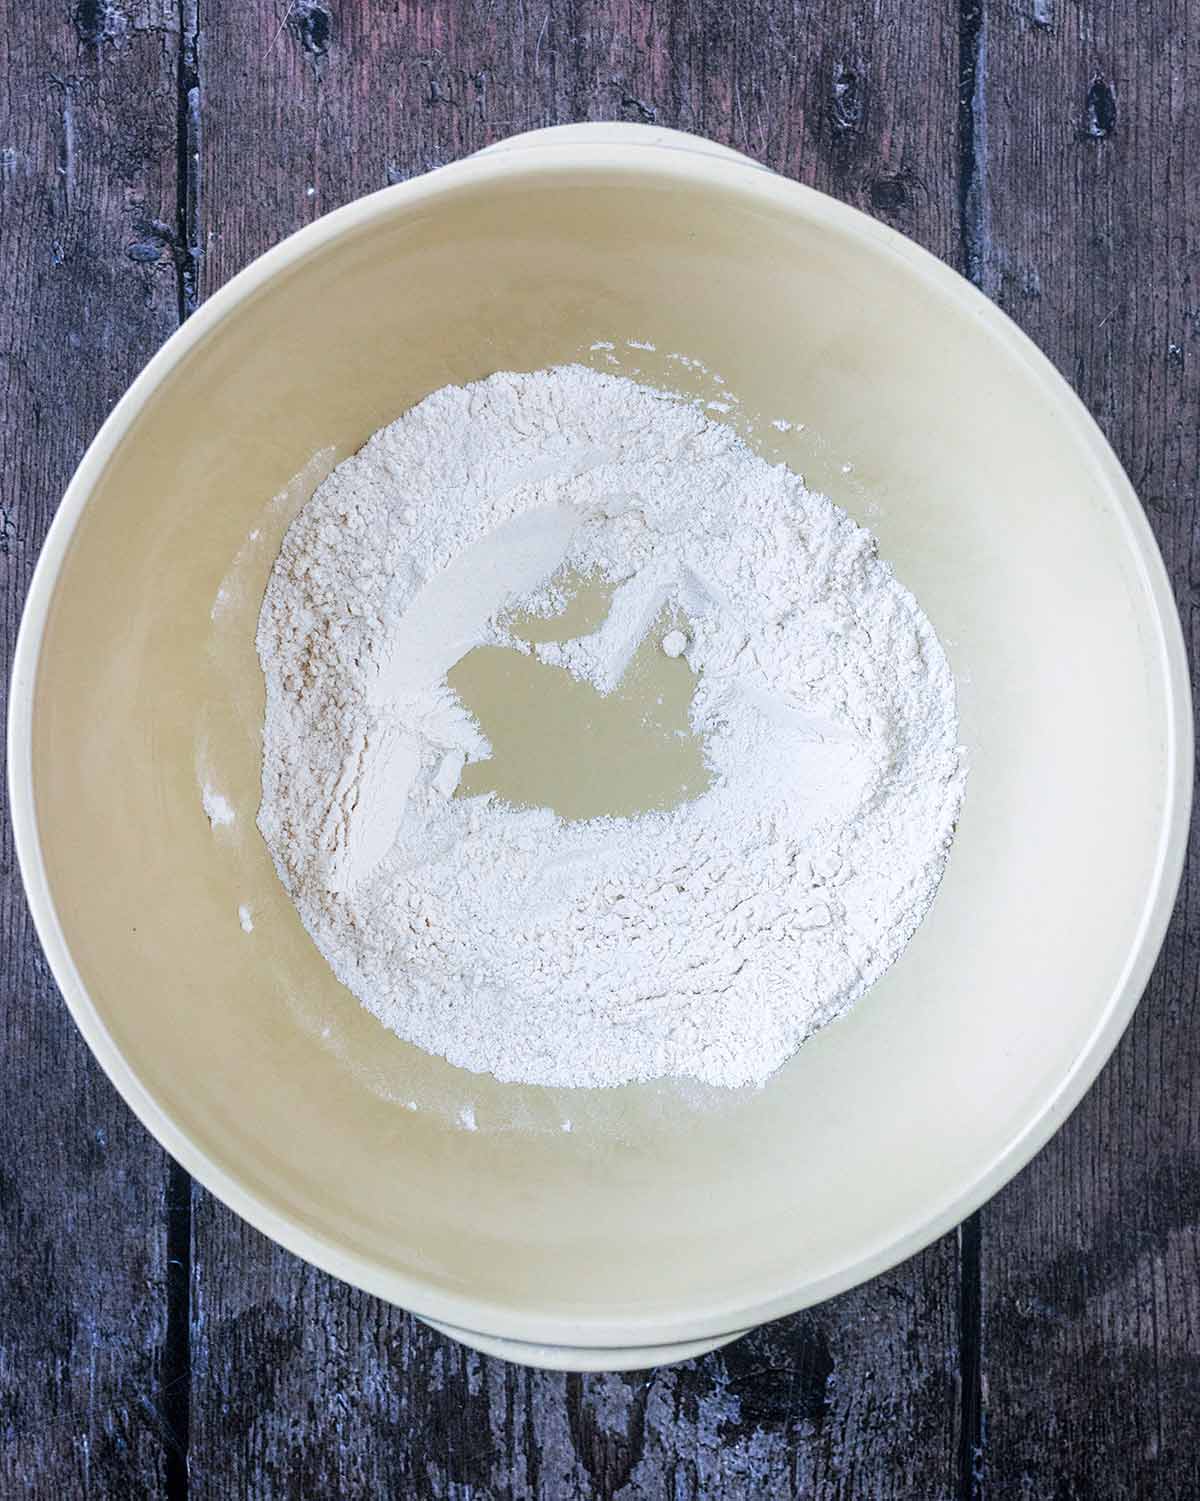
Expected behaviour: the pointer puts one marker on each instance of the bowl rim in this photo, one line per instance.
(628, 157)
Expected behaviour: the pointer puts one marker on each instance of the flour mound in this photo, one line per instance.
(709, 940)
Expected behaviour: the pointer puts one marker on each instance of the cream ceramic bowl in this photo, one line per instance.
(667, 1219)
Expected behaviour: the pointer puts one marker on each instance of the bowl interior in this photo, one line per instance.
(664, 1209)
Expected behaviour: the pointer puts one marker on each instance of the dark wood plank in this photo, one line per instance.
(87, 205)
(309, 105)
(1089, 235)
(303, 1386)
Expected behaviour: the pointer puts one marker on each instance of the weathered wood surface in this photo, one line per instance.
(304, 1387)
(146, 154)
(1088, 233)
(302, 114)
(87, 179)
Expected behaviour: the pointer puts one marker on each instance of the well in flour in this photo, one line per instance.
(707, 939)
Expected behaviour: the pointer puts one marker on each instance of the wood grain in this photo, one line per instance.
(307, 107)
(87, 201)
(1088, 233)
(303, 1386)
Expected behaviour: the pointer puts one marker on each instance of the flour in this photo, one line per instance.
(709, 940)
(674, 643)
(217, 808)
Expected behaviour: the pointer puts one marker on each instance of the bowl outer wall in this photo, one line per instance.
(930, 1222)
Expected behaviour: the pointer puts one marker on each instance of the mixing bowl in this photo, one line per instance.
(610, 1228)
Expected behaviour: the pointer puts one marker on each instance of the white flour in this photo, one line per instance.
(710, 940)
(217, 809)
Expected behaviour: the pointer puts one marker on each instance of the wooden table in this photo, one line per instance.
(153, 1345)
